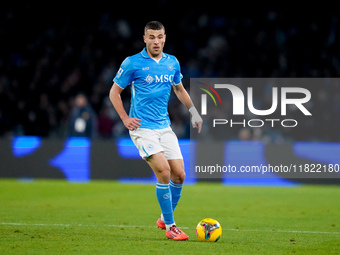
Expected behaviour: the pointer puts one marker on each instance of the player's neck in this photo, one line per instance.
(157, 58)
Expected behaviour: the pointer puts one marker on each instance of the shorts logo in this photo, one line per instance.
(166, 196)
(150, 147)
(149, 79)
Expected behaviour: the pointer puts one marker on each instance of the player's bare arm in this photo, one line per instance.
(184, 97)
(129, 123)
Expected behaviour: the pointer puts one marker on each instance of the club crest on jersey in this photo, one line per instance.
(170, 67)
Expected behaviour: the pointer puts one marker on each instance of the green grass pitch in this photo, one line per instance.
(103, 217)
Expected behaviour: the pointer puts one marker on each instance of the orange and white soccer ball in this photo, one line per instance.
(208, 230)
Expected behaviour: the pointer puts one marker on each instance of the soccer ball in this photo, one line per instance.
(208, 230)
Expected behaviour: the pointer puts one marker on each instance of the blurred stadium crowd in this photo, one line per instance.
(51, 55)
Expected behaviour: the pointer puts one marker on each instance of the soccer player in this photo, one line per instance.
(151, 74)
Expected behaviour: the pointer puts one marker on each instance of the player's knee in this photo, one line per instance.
(179, 178)
(164, 178)
(182, 177)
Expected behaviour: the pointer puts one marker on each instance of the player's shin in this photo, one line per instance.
(176, 189)
(163, 193)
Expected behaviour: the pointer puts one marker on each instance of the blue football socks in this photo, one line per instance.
(163, 193)
(175, 189)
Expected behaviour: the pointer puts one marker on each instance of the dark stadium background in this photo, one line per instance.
(50, 52)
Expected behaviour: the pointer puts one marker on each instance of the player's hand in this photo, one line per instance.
(131, 123)
(197, 125)
(196, 119)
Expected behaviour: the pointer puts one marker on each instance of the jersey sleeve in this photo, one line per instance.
(125, 73)
(178, 76)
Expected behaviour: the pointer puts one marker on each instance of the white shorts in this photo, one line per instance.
(152, 141)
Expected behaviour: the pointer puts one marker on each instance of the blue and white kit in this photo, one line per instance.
(151, 83)
(150, 87)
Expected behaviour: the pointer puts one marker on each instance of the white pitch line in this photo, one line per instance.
(73, 225)
(286, 231)
(140, 226)
(77, 225)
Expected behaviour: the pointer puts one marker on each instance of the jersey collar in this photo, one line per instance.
(146, 55)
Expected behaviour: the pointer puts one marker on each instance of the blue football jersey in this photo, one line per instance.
(150, 87)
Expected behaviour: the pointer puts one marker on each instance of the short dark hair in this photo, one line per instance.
(154, 25)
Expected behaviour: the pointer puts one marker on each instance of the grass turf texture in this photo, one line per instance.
(56, 217)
